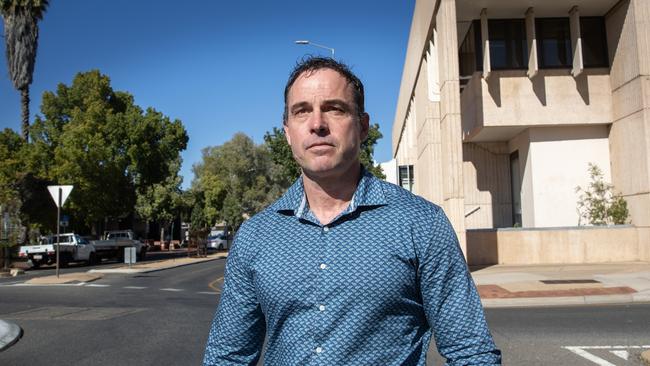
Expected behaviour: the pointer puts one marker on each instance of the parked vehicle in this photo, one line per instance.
(73, 248)
(218, 242)
(114, 242)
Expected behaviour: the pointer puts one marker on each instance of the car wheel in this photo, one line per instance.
(36, 265)
(92, 259)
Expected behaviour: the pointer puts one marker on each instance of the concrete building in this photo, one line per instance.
(502, 106)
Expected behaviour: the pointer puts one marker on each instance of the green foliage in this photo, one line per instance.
(100, 141)
(233, 181)
(368, 150)
(597, 204)
(280, 151)
(289, 170)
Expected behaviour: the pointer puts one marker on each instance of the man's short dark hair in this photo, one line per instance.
(311, 64)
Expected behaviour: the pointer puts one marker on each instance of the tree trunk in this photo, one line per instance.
(24, 99)
(162, 236)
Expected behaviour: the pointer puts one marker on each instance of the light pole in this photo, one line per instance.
(316, 45)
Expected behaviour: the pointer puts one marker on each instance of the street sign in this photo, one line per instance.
(59, 194)
(54, 192)
(65, 221)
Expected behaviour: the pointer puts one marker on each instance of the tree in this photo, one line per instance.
(235, 181)
(21, 38)
(162, 201)
(597, 204)
(289, 170)
(100, 141)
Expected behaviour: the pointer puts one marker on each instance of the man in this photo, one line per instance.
(344, 269)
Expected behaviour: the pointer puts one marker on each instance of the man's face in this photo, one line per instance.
(323, 127)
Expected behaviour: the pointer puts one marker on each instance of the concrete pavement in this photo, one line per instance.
(10, 333)
(557, 285)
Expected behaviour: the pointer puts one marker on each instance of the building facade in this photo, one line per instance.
(504, 104)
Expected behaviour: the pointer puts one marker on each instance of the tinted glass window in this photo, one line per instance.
(508, 46)
(553, 42)
(594, 42)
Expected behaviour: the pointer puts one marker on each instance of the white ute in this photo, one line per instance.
(73, 249)
(114, 243)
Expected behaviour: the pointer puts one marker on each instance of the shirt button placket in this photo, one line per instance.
(320, 297)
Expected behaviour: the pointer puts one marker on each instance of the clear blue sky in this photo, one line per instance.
(218, 66)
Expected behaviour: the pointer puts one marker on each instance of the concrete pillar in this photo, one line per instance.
(628, 26)
(485, 41)
(450, 121)
(576, 41)
(532, 43)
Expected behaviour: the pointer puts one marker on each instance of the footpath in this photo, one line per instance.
(500, 286)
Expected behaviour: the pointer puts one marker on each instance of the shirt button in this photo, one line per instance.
(323, 266)
(326, 229)
(319, 349)
(321, 308)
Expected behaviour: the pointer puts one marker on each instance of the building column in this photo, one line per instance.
(450, 121)
(627, 30)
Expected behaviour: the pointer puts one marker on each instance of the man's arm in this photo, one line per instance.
(238, 328)
(451, 302)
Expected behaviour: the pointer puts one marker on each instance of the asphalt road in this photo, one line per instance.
(159, 318)
(163, 318)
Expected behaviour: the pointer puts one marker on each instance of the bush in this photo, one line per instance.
(598, 204)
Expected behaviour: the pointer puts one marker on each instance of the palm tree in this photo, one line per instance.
(21, 39)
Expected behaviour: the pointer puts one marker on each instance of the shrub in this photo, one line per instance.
(598, 204)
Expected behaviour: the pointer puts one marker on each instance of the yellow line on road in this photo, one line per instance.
(211, 285)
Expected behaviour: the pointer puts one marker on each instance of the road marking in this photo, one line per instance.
(211, 285)
(96, 285)
(171, 289)
(135, 287)
(622, 354)
(207, 293)
(620, 351)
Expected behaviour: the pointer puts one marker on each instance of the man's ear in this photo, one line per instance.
(286, 133)
(364, 122)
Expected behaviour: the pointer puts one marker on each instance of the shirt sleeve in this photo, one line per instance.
(451, 302)
(237, 333)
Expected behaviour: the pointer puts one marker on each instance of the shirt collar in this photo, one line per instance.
(368, 193)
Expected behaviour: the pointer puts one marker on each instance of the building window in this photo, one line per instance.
(553, 43)
(594, 42)
(515, 186)
(406, 177)
(508, 44)
(469, 53)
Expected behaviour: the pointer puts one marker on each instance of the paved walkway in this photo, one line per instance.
(554, 285)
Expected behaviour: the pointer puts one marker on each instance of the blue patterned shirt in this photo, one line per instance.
(369, 288)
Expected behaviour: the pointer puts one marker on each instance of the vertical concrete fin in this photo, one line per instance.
(576, 41)
(531, 39)
(485, 41)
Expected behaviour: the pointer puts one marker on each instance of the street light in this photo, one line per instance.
(317, 45)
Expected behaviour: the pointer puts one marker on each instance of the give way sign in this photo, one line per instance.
(63, 190)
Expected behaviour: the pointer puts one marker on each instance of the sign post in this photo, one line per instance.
(59, 195)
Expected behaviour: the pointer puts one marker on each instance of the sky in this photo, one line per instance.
(218, 66)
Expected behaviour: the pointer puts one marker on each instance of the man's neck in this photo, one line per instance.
(329, 196)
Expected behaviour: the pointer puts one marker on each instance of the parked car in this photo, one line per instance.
(217, 242)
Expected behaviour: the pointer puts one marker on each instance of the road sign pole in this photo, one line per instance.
(58, 231)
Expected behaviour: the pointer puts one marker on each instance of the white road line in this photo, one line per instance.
(207, 293)
(584, 354)
(135, 287)
(622, 354)
(96, 285)
(620, 351)
(171, 289)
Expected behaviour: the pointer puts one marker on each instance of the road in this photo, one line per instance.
(163, 318)
(159, 318)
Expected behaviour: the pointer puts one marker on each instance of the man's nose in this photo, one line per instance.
(318, 122)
